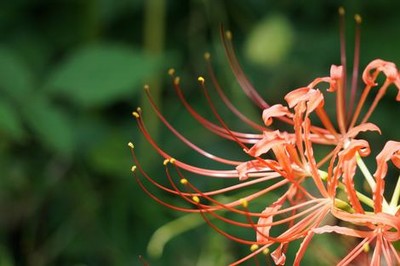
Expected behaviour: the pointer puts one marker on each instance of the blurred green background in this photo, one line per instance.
(71, 72)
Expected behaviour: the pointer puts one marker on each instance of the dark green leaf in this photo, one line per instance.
(10, 122)
(51, 125)
(15, 78)
(101, 74)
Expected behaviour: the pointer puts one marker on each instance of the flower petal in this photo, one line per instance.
(391, 151)
(388, 68)
(276, 110)
(312, 97)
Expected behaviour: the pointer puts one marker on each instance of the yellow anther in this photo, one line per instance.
(253, 247)
(201, 79)
(136, 114)
(341, 11)
(357, 18)
(244, 203)
(130, 144)
(184, 181)
(177, 80)
(169, 160)
(366, 247)
(196, 199)
(138, 109)
(228, 35)
(171, 71)
(207, 56)
(146, 87)
(133, 168)
(266, 251)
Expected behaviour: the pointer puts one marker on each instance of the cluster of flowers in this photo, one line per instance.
(313, 194)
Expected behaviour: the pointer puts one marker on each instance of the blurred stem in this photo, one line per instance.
(154, 35)
(170, 230)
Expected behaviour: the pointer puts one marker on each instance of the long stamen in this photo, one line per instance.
(185, 140)
(187, 167)
(362, 100)
(378, 97)
(226, 100)
(220, 131)
(341, 95)
(356, 64)
(237, 70)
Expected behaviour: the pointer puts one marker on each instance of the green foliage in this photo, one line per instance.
(102, 74)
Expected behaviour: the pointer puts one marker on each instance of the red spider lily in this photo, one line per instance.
(283, 165)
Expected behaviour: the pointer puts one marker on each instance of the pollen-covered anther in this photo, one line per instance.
(265, 251)
(244, 203)
(207, 56)
(171, 71)
(177, 80)
(169, 160)
(254, 247)
(201, 80)
(341, 11)
(366, 247)
(184, 181)
(136, 115)
(130, 145)
(228, 35)
(146, 87)
(196, 199)
(133, 168)
(358, 18)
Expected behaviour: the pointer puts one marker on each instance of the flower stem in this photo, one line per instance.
(366, 173)
(396, 194)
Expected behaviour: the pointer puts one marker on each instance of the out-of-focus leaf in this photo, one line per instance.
(101, 74)
(110, 157)
(270, 41)
(5, 257)
(15, 78)
(10, 123)
(110, 9)
(51, 125)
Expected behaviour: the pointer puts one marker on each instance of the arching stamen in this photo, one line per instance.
(219, 118)
(187, 167)
(220, 131)
(378, 97)
(356, 65)
(362, 100)
(341, 89)
(185, 140)
(226, 100)
(247, 87)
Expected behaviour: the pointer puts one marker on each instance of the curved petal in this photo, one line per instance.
(276, 110)
(391, 151)
(388, 68)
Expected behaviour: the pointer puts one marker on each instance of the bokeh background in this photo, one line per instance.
(72, 71)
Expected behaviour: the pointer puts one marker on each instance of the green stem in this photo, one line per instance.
(363, 198)
(366, 173)
(396, 194)
(153, 44)
(170, 230)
